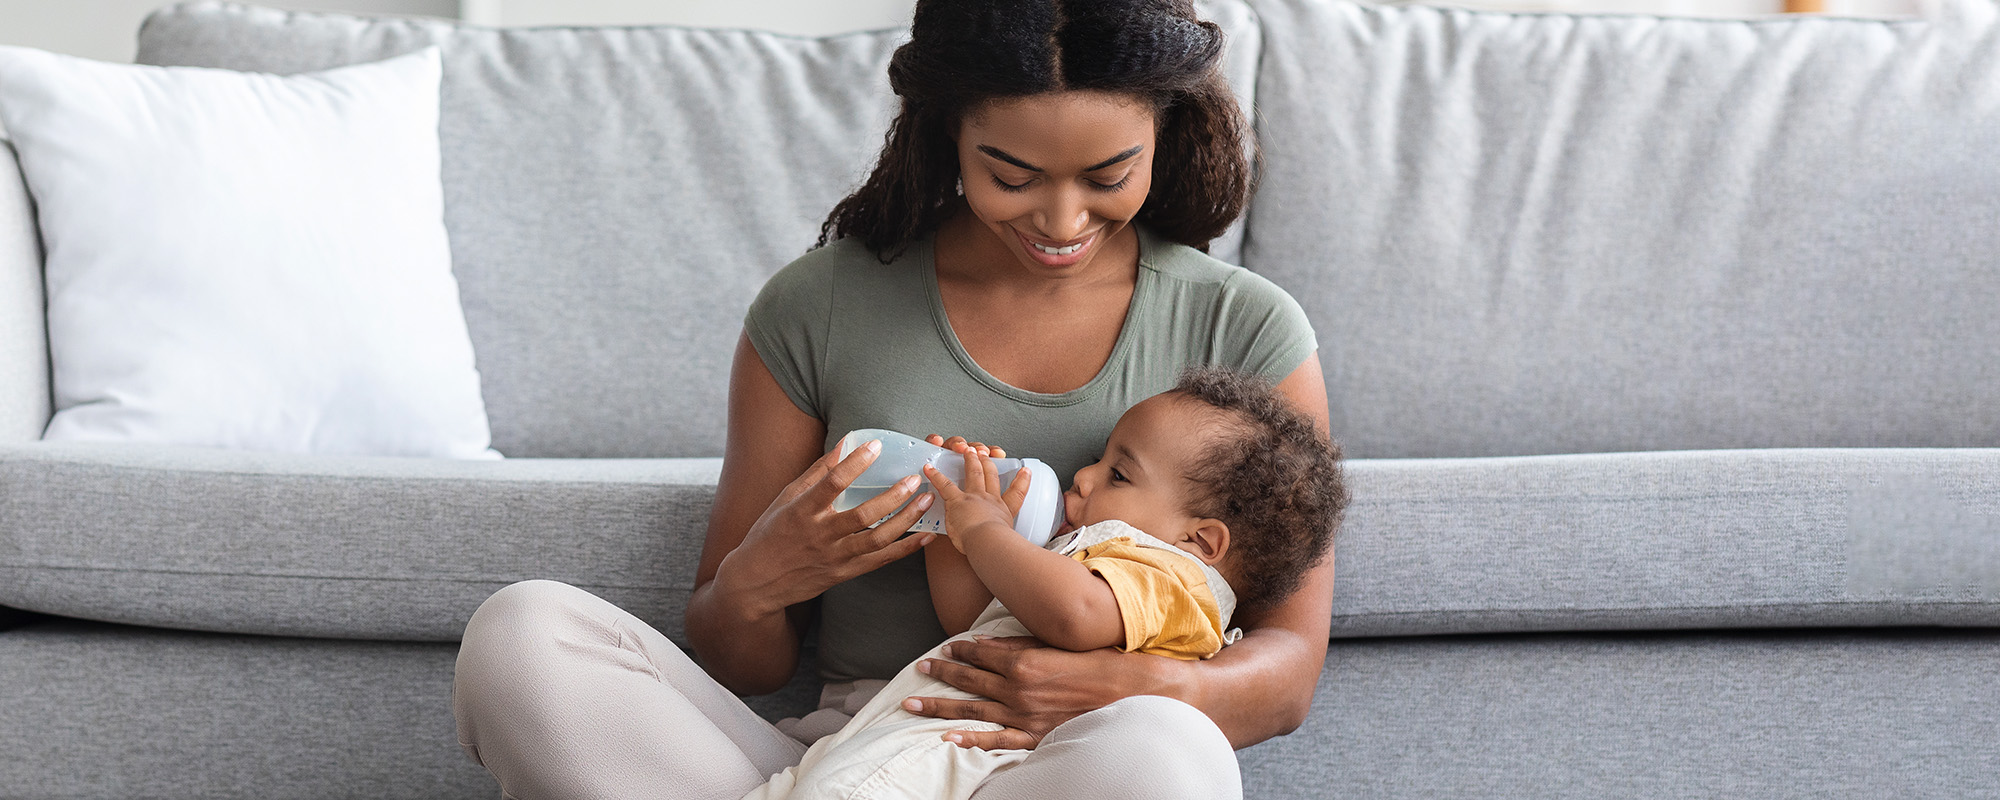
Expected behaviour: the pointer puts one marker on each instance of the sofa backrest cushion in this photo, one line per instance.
(615, 196)
(1537, 233)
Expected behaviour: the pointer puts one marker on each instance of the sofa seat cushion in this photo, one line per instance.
(1819, 714)
(1670, 540)
(1523, 234)
(109, 712)
(371, 548)
(615, 196)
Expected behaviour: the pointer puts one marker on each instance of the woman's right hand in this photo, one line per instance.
(800, 547)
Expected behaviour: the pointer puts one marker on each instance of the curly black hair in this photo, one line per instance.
(1271, 476)
(963, 53)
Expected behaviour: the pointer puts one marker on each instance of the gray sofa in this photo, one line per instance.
(1665, 350)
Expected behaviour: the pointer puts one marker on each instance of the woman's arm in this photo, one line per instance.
(1258, 688)
(774, 542)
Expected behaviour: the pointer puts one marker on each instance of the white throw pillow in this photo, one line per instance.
(244, 260)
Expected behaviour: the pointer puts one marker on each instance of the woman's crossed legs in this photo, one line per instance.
(563, 695)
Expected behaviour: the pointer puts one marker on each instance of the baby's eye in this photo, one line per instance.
(1116, 476)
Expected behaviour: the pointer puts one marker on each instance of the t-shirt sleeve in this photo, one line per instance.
(1163, 599)
(788, 324)
(1260, 328)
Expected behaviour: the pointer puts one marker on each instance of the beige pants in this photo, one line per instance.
(564, 696)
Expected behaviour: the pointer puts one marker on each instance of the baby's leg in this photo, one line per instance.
(1151, 747)
(560, 694)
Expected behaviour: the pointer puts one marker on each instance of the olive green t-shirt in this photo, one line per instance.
(862, 344)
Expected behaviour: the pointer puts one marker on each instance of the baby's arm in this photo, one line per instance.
(1059, 599)
(956, 591)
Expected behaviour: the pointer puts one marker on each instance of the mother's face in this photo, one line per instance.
(1055, 175)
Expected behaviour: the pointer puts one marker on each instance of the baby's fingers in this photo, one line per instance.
(1017, 492)
(945, 488)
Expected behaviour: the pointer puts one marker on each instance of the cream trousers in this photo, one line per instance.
(564, 696)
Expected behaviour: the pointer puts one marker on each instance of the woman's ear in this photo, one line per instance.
(1211, 540)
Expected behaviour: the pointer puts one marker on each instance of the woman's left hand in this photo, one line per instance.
(1032, 687)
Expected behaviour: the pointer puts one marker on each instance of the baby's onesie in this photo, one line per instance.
(1172, 605)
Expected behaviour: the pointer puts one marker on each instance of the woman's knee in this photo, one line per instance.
(510, 636)
(1170, 748)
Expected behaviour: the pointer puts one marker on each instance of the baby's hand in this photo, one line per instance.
(979, 503)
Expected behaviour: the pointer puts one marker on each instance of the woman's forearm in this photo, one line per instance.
(1261, 686)
(744, 645)
(1255, 689)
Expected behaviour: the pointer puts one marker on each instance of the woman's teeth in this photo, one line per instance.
(1057, 251)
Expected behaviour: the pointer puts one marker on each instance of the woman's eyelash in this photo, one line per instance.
(1102, 187)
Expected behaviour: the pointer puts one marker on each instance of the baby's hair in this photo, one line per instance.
(1271, 476)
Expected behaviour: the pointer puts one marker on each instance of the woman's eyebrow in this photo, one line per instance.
(1004, 156)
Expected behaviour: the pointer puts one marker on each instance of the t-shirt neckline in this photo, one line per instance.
(1141, 293)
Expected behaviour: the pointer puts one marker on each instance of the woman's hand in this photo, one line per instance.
(800, 547)
(1032, 687)
(954, 442)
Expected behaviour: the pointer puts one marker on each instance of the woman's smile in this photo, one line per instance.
(1057, 255)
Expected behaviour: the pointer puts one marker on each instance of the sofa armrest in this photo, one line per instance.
(337, 547)
(1671, 540)
(25, 402)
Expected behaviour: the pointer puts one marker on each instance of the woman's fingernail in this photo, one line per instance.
(912, 704)
(873, 446)
(923, 667)
(954, 738)
(924, 502)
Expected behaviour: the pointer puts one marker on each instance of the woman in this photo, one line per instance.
(1021, 266)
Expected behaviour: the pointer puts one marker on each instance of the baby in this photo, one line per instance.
(1208, 496)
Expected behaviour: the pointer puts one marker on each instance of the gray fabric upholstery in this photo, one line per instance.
(24, 353)
(122, 712)
(369, 548)
(1544, 233)
(118, 712)
(403, 549)
(1768, 714)
(615, 196)
(1645, 541)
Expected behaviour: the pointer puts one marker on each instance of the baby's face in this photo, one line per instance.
(1141, 478)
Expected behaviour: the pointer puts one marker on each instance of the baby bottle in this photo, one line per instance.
(902, 456)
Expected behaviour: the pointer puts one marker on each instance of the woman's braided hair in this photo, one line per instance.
(1268, 474)
(963, 53)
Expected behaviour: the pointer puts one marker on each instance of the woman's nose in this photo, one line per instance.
(1065, 218)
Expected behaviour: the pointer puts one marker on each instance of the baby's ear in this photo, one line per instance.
(1211, 540)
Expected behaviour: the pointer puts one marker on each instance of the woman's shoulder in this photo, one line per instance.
(1203, 275)
(810, 278)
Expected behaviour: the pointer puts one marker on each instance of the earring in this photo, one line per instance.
(960, 188)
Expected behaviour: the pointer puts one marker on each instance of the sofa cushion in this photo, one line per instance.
(245, 260)
(1644, 541)
(25, 400)
(1796, 714)
(111, 712)
(615, 196)
(383, 548)
(1542, 233)
(370, 548)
